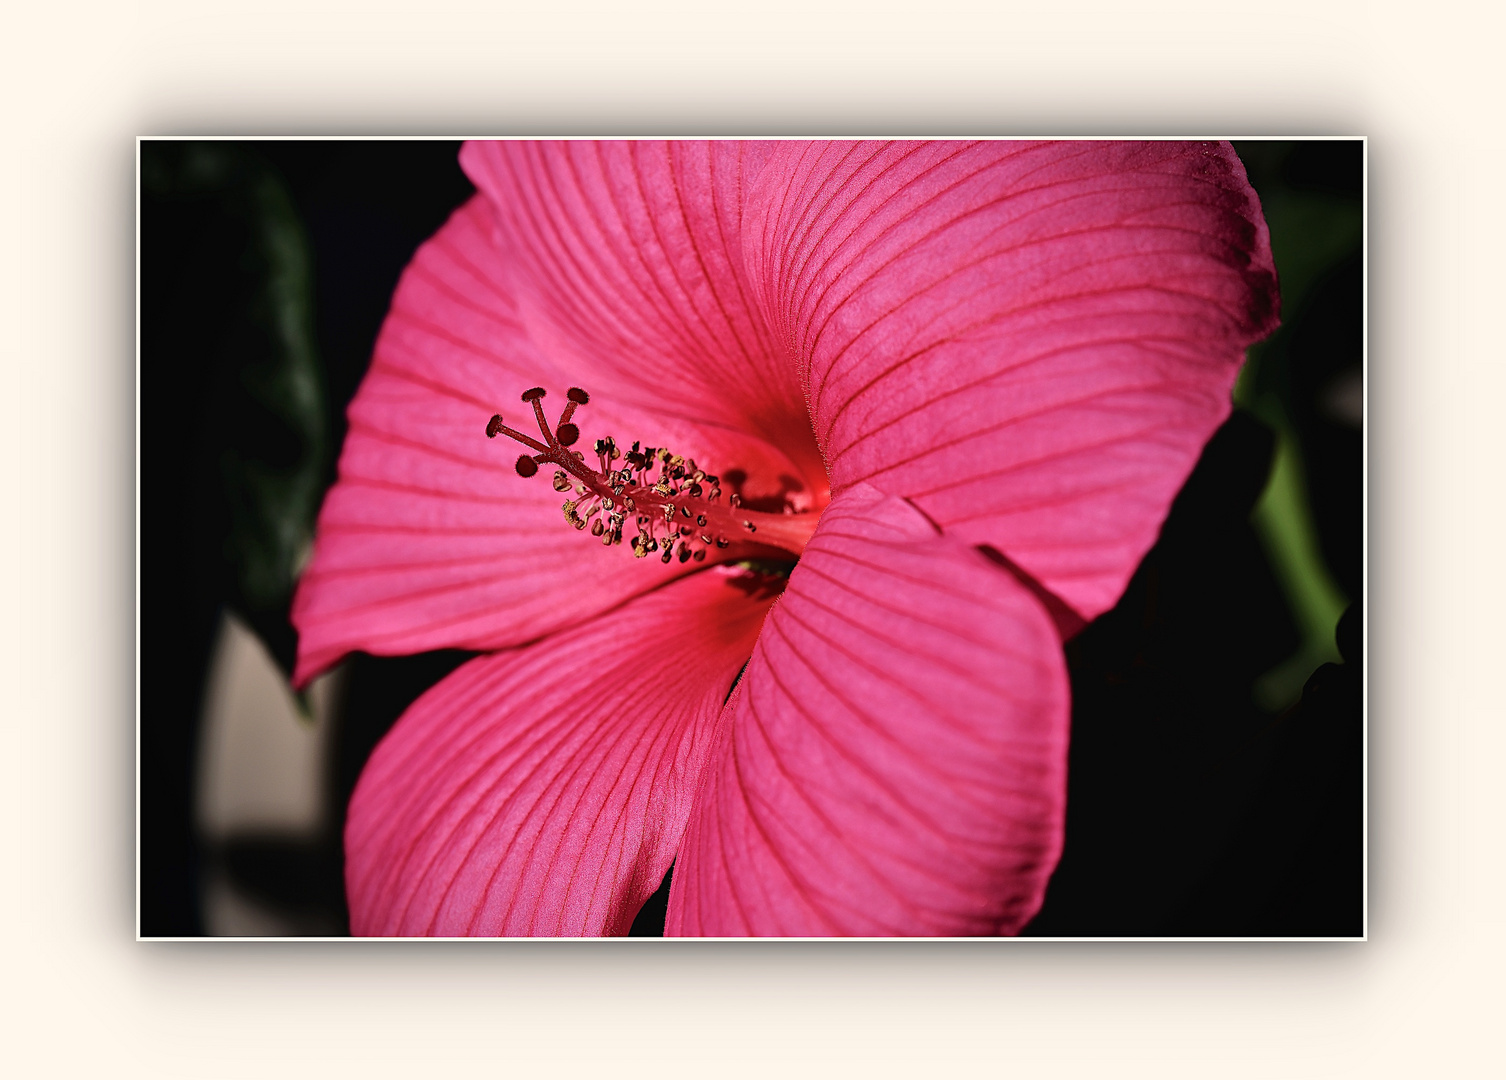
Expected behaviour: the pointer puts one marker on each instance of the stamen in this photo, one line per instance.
(683, 498)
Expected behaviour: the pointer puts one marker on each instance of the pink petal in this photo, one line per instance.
(894, 760)
(1032, 342)
(430, 539)
(544, 791)
(630, 274)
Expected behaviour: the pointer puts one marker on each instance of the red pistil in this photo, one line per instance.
(679, 513)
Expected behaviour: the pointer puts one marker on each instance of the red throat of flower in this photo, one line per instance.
(676, 507)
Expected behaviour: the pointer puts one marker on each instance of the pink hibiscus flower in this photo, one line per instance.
(960, 383)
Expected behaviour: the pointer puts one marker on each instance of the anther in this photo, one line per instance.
(612, 494)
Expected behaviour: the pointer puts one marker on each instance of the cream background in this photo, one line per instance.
(81, 998)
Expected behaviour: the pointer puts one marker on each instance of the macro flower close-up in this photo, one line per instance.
(769, 480)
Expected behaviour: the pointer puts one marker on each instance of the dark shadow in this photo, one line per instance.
(649, 922)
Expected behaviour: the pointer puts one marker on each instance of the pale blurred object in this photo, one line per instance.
(263, 770)
(261, 764)
(1343, 399)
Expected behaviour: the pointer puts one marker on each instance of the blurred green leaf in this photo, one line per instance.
(267, 399)
(1312, 232)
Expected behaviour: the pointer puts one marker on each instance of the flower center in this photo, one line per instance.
(674, 506)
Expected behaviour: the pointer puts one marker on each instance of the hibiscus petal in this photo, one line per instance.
(894, 760)
(630, 273)
(430, 539)
(544, 791)
(1032, 342)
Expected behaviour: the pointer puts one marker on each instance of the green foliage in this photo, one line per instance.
(257, 357)
(1312, 233)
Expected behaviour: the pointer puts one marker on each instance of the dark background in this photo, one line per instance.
(266, 269)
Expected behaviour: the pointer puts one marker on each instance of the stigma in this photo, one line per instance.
(664, 502)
